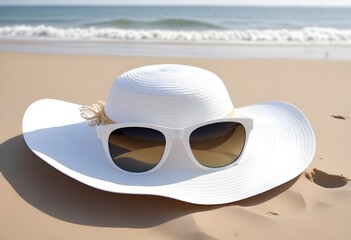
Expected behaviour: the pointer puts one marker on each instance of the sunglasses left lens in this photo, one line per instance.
(136, 149)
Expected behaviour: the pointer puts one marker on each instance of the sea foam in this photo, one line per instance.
(305, 35)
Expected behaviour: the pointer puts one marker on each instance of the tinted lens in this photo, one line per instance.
(136, 149)
(218, 144)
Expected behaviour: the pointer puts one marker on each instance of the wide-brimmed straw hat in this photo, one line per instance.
(172, 130)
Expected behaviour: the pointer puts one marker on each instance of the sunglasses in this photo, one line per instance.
(143, 148)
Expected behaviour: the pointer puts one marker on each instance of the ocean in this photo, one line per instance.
(131, 28)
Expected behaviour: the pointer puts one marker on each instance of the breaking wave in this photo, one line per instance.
(305, 35)
(168, 23)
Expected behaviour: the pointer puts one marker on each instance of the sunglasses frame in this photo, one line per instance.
(171, 134)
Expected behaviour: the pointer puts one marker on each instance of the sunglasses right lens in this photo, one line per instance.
(218, 144)
(136, 149)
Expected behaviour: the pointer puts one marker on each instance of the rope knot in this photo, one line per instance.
(95, 114)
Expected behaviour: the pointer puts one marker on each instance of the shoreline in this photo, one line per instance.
(267, 50)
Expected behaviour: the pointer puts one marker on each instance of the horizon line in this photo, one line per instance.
(169, 5)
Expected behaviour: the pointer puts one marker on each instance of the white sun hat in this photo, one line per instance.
(179, 103)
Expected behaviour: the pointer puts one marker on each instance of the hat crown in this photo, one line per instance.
(170, 95)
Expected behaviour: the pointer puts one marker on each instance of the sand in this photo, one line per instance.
(39, 202)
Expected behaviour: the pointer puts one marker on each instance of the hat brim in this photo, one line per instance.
(280, 147)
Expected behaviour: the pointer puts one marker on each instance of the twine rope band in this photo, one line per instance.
(95, 114)
(231, 113)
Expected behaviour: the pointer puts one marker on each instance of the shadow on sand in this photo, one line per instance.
(64, 198)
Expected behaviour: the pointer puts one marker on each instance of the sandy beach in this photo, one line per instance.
(39, 202)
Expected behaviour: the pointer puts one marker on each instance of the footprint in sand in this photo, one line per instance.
(326, 180)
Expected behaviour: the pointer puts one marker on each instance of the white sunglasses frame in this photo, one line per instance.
(170, 134)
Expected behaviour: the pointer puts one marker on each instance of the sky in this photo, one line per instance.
(175, 2)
